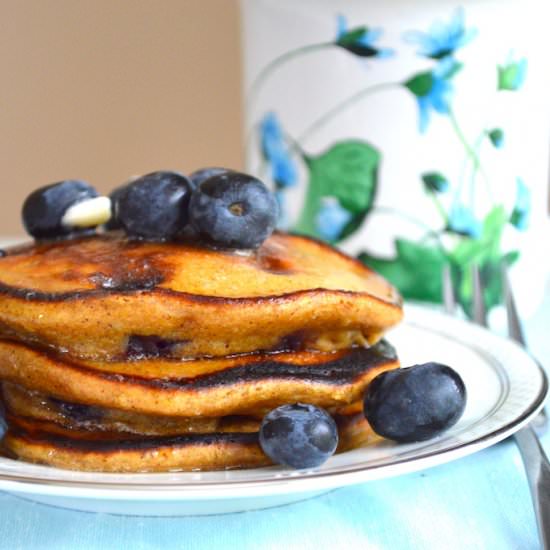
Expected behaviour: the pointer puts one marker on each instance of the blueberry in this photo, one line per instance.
(300, 436)
(416, 403)
(154, 206)
(3, 425)
(233, 210)
(44, 208)
(198, 176)
(115, 195)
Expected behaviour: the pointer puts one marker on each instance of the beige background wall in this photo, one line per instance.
(104, 89)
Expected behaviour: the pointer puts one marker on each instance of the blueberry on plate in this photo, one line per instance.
(233, 210)
(65, 208)
(300, 436)
(115, 195)
(198, 176)
(154, 206)
(415, 403)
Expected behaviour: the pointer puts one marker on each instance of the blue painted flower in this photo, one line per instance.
(433, 90)
(522, 209)
(276, 151)
(463, 221)
(360, 41)
(331, 219)
(442, 39)
(512, 75)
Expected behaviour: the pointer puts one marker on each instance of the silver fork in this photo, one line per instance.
(535, 461)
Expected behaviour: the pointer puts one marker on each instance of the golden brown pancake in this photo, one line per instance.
(126, 356)
(238, 385)
(105, 297)
(47, 443)
(21, 402)
(24, 403)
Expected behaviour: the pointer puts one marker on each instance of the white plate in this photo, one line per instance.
(505, 389)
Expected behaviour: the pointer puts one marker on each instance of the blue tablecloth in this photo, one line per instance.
(478, 502)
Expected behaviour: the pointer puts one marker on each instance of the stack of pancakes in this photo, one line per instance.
(119, 355)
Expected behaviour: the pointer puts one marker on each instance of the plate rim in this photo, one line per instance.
(291, 481)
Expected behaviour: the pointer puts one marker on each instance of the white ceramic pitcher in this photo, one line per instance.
(413, 134)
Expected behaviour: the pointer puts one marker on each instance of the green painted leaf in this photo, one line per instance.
(491, 277)
(348, 172)
(421, 84)
(352, 36)
(511, 257)
(434, 181)
(486, 253)
(518, 218)
(487, 247)
(351, 41)
(416, 269)
(496, 135)
(512, 75)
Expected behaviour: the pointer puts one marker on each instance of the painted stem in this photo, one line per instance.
(342, 106)
(294, 147)
(470, 152)
(475, 170)
(281, 60)
(429, 231)
(439, 208)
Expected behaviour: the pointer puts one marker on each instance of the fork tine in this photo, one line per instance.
(480, 314)
(449, 300)
(515, 332)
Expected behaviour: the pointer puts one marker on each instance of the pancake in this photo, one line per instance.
(24, 403)
(238, 385)
(21, 402)
(47, 443)
(105, 297)
(127, 356)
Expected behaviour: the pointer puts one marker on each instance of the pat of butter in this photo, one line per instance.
(88, 213)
